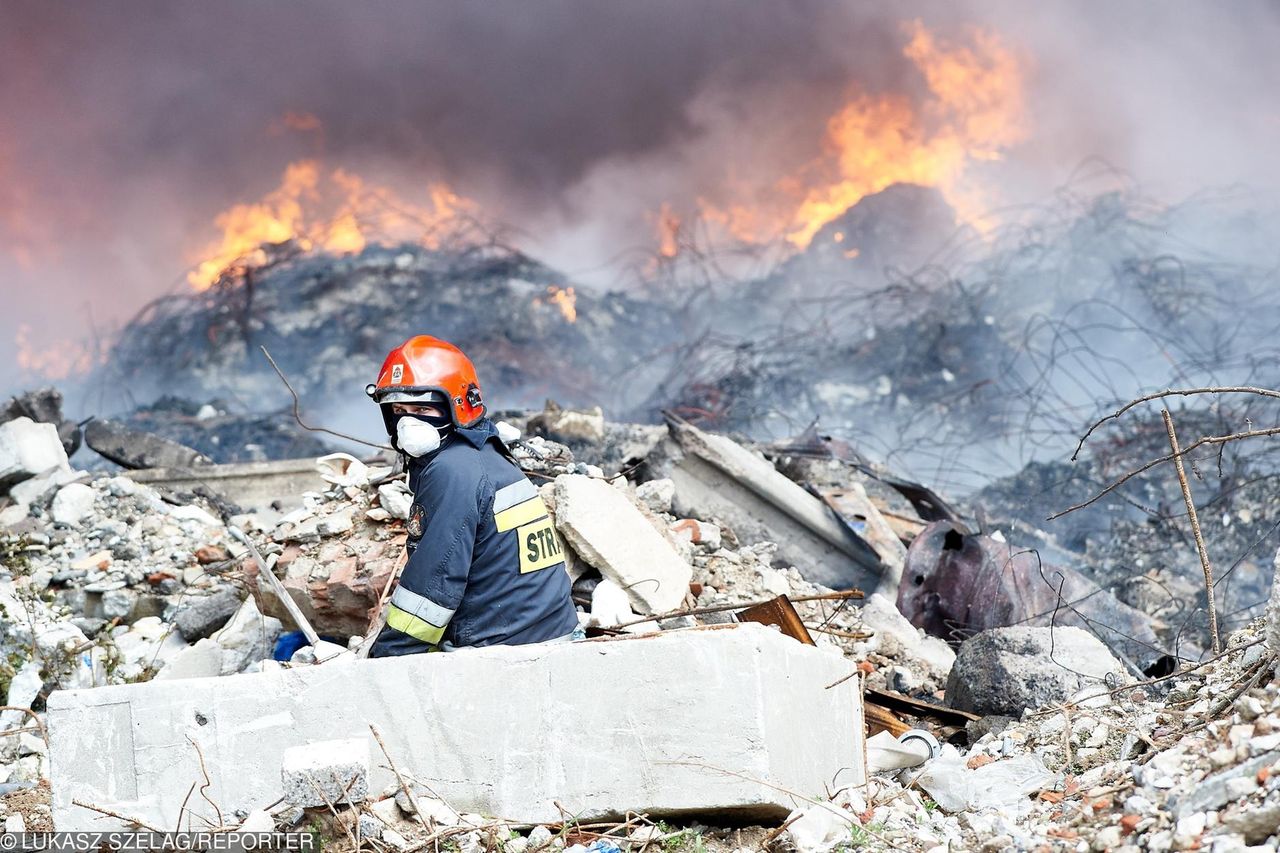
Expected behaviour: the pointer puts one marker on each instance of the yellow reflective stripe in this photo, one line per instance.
(419, 629)
(521, 513)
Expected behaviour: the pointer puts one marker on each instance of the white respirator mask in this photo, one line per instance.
(415, 437)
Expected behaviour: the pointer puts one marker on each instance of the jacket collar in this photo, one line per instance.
(479, 434)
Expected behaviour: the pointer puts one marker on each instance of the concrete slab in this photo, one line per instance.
(716, 720)
(718, 479)
(607, 531)
(248, 484)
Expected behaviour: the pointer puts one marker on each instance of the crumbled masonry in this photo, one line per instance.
(140, 634)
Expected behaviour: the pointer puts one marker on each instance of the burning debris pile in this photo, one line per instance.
(327, 321)
(967, 359)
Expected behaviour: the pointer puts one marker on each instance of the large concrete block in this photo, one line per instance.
(248, 484)
(716, 720)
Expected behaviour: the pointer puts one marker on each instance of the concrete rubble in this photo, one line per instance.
(324, 773)
(44, 406)
(131, 448)
(28, 448)
(1004, 671)
(133, 619)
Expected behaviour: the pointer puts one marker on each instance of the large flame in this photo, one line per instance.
(974, 112)
(336, 210)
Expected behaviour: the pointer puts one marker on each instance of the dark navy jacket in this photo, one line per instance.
(485, 565)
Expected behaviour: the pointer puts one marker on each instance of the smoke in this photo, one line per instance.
(129, 125)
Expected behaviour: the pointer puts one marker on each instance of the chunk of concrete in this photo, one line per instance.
(28, 448)
(895, 637)
(72, 504)
(718, 478)
(395, 498)
(327, 773)
(248, 638)
(657, 495)
(569, 425)
(606, 530)
(44, 406)
(201, 616)
(38, 488)
(134, 448)
(203, 660)
(610, 605)
(1005, 670)
(715, 720)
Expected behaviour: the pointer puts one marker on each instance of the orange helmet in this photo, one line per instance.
(430, 370)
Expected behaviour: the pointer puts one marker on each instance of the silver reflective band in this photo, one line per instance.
(509, 496)
(421, 607)
(412, 397)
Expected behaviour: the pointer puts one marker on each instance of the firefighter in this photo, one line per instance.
(485, 566)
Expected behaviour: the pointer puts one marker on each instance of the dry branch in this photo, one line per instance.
(1182, 392)
(297, 416)
(1195, 530)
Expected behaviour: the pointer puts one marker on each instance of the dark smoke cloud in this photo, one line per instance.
(125, 126)
(526, 96)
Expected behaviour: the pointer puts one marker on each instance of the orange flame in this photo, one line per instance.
(338, 212)
(668, 227)
(974, 112)
(566, 300)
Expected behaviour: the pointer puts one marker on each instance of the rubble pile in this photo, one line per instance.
(1120, 769)
(109, 581)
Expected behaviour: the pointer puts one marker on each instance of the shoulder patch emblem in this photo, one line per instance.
(414, 524)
